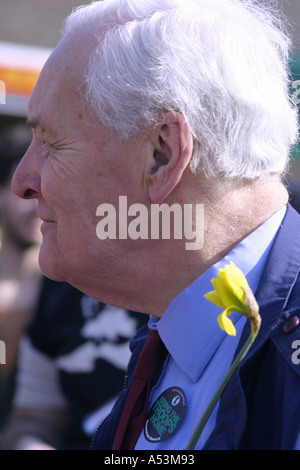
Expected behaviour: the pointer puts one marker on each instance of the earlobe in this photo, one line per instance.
(171, 156)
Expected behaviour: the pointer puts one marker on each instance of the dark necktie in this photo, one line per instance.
(134, 413)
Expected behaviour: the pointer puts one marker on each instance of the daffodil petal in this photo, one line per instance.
(239, 276)
(226, 324)
(234, 277)
(232, 292)
(224, 290)
(215, 299)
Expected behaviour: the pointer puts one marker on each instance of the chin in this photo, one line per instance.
(50, 264)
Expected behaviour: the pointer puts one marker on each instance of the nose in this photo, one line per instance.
(26, 181)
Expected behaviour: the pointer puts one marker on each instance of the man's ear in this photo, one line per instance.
(172, 153)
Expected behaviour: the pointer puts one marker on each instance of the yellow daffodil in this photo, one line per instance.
(232, 292)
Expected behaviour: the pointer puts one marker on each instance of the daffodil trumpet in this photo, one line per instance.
(232, 293)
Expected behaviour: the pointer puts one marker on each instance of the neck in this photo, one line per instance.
(231, 213)
(156, 271)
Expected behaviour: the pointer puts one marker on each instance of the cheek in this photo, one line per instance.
(73, 193)
(60, 190)
(76, 227)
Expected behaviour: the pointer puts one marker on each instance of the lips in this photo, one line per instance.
(45, 217)
(47, 224)
(47, 220)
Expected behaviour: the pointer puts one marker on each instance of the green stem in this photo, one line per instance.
(218, 393)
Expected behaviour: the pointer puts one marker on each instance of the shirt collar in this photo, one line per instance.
(189, 327)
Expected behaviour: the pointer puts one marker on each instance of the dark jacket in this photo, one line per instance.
(260, 408)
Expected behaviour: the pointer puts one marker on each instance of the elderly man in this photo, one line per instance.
(187, 104)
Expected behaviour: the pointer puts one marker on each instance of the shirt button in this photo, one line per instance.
(291, 324)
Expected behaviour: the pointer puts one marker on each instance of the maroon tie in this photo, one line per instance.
(134, 413)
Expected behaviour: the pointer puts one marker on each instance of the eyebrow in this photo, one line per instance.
(34, 123)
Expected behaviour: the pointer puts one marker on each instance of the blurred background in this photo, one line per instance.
(29, 30)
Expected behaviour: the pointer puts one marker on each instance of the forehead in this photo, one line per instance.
(60, 83)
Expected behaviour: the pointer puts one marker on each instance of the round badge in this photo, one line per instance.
(165, 415)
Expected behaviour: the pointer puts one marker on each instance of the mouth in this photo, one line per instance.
(47, 226)
(45, 218)
(48, 221)
(45, 222)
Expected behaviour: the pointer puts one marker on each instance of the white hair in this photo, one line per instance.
(223, 64)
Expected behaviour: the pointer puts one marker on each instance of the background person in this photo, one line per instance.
(71, 368)
(19, 270)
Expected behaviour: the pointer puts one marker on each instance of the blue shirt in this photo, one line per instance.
(200, 353)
